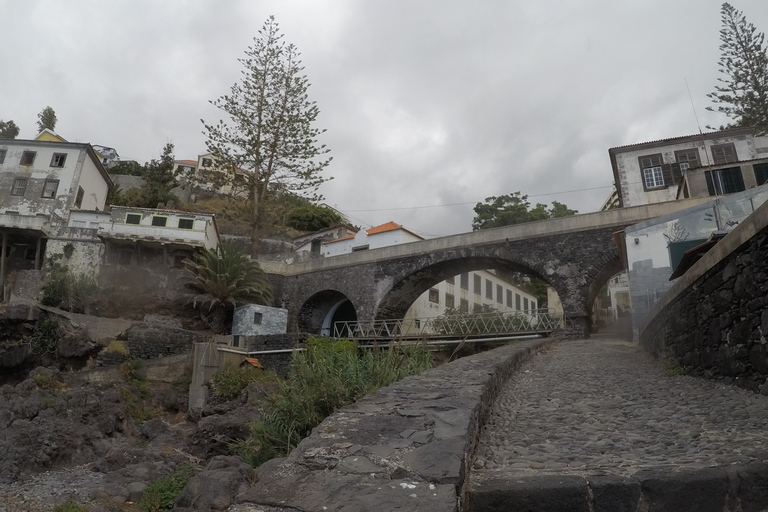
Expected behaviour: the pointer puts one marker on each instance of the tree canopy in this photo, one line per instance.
(742, 93)
(159, 179)
(514, 208)
(46, 119)
(270, 138)
(8, 130)
(311, 217)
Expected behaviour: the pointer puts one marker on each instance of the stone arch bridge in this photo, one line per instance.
(575, 255)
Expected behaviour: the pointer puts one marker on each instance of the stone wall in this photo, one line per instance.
(714, 319)
(145, 341)
(280, 362)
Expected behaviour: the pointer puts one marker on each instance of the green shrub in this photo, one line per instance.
(67, 290)
(160, 494)
(327, 375)
(45, 337)
(672, 368)
(228, 382)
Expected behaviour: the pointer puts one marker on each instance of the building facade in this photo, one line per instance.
(709, 164)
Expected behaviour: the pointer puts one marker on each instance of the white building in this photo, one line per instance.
(468, 292)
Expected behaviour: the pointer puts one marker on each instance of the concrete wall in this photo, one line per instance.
(270, 320)
(714, 318)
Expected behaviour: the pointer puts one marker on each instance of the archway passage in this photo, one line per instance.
(323, 310)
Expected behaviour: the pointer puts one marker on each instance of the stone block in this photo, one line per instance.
(554, 493)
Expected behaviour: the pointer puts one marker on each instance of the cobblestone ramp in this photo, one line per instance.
(599, 426)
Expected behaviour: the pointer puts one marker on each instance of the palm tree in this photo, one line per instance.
(223, 280)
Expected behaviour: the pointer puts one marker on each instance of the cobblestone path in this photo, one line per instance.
(603, 406)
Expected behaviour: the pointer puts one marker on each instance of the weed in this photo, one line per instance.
(672, 368)
(160, 494)
(117, 346)
(48, 402)
(47, 381)
(71, 506)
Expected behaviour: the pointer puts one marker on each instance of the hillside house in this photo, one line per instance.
(709, 164)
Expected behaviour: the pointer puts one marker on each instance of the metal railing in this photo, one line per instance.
(541, 321)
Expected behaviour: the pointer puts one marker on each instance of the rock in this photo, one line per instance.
(216, 486)
(214, 433)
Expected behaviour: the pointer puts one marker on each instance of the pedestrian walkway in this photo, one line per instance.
(605, 405)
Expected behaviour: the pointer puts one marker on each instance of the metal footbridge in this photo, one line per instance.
(459, 327)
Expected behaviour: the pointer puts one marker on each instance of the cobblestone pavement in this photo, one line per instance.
(603, 406)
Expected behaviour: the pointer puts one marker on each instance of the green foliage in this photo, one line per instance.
(67, 290)
(514, 209)
(159, 179)
(225, 279)
(128, 167)
(743, 91)
(228, 382)
(48, 382)
(311, 217)
(160, 494)
(8, 130)
(45, 337)
(327, 375)
(270, 143)
(71, 506)
(46, 119)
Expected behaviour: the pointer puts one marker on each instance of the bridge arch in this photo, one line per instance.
(322, 310)
(403, 292)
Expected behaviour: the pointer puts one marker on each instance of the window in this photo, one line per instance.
(761, 173)
(360, 248)
(525, 303)
(724, 181)
(499, 294)
(257, 317)
(417, 323)
(533, 305)
(2, 155)
(465, 281)
(49, 189)
(19, 187)
(28, 158)
(464, 306)
(509, 298)
(653, 176)
(477, 284)
(58, 159)
(724, 154)
(687, 158)
(451, 280)
(434, 295)
(488, 289)
(79, 198)
(79, 224)
(449, 302)
(207, 162)
(186, 223)
(517, 302)
(159, 221)
(133, 218)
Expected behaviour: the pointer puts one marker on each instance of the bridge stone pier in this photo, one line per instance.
(575, 255)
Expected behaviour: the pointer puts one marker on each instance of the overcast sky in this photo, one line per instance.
(430, 106)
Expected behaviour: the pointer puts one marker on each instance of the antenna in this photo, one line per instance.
(692, 105)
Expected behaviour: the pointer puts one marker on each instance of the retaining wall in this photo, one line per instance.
(714, 319)
(406, 447)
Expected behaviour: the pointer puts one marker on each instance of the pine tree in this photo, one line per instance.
(270, 142)
(46, 119)
(743, 91)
